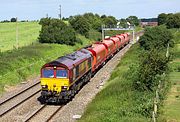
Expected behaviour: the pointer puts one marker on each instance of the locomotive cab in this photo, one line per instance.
(54, 79)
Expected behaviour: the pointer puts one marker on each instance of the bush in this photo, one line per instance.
(156, 38)
(56, 31)
(153, 58)
(153, 64)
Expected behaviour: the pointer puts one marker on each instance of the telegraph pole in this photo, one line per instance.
(17, 41)
(60, 12)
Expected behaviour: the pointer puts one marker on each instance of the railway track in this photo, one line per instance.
(15, 100)
(50, 110)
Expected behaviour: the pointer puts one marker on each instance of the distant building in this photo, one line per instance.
(148, 22)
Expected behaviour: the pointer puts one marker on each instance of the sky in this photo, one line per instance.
(36, 9)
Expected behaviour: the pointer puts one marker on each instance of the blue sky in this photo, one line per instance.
(36, 9)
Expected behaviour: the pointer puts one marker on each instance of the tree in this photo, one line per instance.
(103, 16)
(170, 20)
(133, 20)
(13, 19)
(156, 38)
(153, 61)
(94, 20)
(109, 21)
(173, 20)
(123, 23)
(80, 24)
(5, 21)
(45, 21)
(56, 31)
(162, 18)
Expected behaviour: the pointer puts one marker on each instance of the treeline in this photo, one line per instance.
(149, 20)
(84, 23)
(57, 31)
(170, 20)
(95, 21)
(154, 57)
(151, 67)
(15, 20)
(11, 20)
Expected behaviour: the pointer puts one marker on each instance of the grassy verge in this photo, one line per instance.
(27, 34)
(119, 101)
(19, 65)
(171, 109)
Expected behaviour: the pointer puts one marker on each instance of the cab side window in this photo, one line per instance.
(77, 71)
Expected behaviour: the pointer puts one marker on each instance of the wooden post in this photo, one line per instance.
(17, 41)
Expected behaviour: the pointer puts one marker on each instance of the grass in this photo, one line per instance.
(27, 34)
(19, 65)
(119, 101)
(172, 103)
(94, 35)
(171, 110)
(138, 28)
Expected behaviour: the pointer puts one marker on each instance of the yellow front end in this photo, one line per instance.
(54, 84)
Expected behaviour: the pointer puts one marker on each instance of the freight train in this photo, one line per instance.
(62, 78)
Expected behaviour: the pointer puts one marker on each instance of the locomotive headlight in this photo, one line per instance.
(44, 86)
(64, 88)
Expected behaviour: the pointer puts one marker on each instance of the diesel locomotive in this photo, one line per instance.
(62, 78)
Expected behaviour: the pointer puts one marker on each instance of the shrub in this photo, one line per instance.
(56, 31)
(156, 38)
(153, 58)
(153, 64)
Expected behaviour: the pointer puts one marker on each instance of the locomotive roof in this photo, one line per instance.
(71, 59)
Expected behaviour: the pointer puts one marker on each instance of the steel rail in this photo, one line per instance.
(4, 101)
(60, 107)
(35, 113)
(14, 106)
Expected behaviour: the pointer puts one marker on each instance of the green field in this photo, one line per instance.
(171, 110)
(27, 34)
